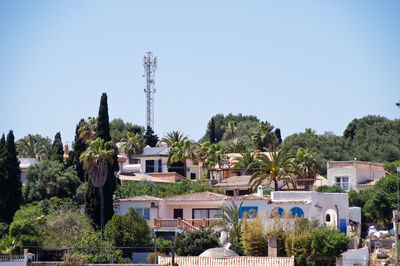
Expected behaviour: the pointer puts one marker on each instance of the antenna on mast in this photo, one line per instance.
(150, 67)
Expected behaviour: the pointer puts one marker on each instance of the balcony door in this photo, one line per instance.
(178, 213)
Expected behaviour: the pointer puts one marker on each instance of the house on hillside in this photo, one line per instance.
(167, 216)
(24, 163)
(354, 175)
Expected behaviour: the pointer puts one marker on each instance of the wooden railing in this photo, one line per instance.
(184, 224)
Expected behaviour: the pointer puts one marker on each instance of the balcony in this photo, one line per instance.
(187, 225)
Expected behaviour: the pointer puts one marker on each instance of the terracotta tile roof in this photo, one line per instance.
(250, 197)
(368, 183)
(140, 198)
(142, 178)
(232, 261)
(232, 182)
(201, 196)
(168, 176)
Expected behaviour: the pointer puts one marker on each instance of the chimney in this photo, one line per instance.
(260, 191)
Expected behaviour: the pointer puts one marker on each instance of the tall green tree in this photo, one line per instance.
(79, 146)
(34, 146)
(264, 138)
(182, 151)
(11, 189)
(134, 144)
(213, 138)
(49, 179)
(273, 168)
(96, 159)
(92, 194)
(247, 162)
(150, 138)
(57, 151)
(172, 137)
(119, 129)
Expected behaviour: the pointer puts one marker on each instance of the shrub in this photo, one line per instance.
(253, 238)
(194, 243)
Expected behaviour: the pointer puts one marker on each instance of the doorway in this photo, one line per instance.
(178, 213)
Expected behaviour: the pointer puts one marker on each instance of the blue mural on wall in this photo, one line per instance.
(296, 211)
(276, 211)
(250, 210)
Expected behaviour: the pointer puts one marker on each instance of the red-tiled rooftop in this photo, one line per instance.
(200, 196)
(141, 198)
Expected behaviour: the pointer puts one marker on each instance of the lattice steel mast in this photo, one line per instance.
(150, 66)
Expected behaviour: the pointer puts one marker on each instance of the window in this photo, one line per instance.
(144, 212)
(159, 166)
(277, 211)
(296, 211)
(133, 161)
(342, 181)
(327, 218)
(205, 213)
(192, 176)
(250, 210)
(149, 166)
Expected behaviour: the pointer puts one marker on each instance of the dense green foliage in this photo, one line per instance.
(53, 223)
(10, 175)
(92, 195)
(79, 146)
(194, 243)
(132, 189)
(56, 152)
(150, 138)
(371, 138)
(128, 230)
(49, 179)
(34, 146)
(119, 129)
(253, 239)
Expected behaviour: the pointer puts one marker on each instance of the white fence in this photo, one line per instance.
(233, 261)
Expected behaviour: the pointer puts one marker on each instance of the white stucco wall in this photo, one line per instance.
(167, 209)
(332, 173)
(319, 205)
(124, 206)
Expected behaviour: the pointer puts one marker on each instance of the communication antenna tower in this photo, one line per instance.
(150, 67)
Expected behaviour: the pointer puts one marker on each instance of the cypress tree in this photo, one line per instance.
(11, 184)
(212, 131)
(3, 182)
(150, 138)
(79, 147)
(278, 135)
(92, 195)
(57, 151)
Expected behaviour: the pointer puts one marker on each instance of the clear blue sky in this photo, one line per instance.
(297, 64)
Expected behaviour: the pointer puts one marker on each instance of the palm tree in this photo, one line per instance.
(247, 162)
(87, 129)
(96, 159)
(306, 165)
(264, 138)
(273, 169)
(134, 144)
(33, 146)
(173, 136)
(230, 219)
(231, 127)
(182, 151)
(215, 154)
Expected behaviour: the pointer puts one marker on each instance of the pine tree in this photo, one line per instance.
(57, 151)
(92, 195)
(10, 179)
(150, 138)
(212, 131)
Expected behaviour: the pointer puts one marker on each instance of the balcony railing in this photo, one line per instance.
(184, 224)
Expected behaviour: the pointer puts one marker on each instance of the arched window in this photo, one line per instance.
(277, 211)
(327, 218)
(296, 211)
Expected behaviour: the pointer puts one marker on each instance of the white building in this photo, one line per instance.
(24, 163)
(354, 175)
